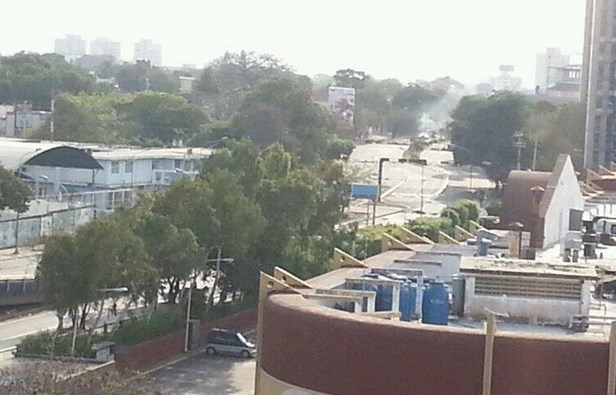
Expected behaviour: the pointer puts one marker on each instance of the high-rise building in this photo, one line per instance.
(105, 46)
(547, 69)
(148, 50)
(71, 47)
(599, 83)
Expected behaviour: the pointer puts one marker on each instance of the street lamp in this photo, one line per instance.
(381, 161)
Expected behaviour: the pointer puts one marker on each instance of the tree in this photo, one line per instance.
(34, 78)
(174, 253)
(558, 130)
(74, 270)
(486, 125)
(14, 194)
(350, 78)
(93, 119)
(226, 81)
(162, 117)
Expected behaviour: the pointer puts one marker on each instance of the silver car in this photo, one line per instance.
(224, 342)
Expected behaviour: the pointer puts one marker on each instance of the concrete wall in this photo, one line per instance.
(567, 195)
(434, 264)
(320, 350)
(552, 311)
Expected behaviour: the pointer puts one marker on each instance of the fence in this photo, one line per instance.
(33, 228)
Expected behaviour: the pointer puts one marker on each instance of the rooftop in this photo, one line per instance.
(527, 268)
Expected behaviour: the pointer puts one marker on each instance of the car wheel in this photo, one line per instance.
(210, 351)
(245, 354)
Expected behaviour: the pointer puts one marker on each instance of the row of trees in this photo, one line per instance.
(260, 207)
(387, 105)
(489, 126)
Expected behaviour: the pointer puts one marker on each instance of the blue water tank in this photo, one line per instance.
(384, 298)
(408, 299)
(435, 306)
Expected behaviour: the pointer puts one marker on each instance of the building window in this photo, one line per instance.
(155, 164)
(115, 167)
(128, 167)
(177, 164)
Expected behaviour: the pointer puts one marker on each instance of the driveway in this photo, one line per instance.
(202, 374)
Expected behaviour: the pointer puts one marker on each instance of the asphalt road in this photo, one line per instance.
(402, 192)
(207, 375)
(12, 331)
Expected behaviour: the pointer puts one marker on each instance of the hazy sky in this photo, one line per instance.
(404, 39)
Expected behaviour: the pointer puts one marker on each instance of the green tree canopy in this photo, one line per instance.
(486, 126)
(34, 78)
(14, 194)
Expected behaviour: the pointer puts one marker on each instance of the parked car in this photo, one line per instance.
(224, 342)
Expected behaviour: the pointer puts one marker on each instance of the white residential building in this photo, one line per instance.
(71, 47)
(147, 50)
(105, 46)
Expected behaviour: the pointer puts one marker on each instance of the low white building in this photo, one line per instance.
(111, 178)
(527, 291)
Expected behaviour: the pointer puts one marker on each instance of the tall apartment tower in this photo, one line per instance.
(599, 83)
(148, 50)
(105, 46)
(71, 47)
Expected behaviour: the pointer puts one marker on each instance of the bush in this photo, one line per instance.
(452, 215)
(42, 344)
(471, 207)
(161, 322)
(431, 226)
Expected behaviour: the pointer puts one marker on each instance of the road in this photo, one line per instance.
(18, 265)
(206, 375)
(12, 331)
(402, 183)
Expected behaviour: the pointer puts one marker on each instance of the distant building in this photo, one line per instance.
(105, 46)
(506, 81)
(71, 47)
(186, 84)
(16, 121)
(341, 102)
(557, 77)
(548, 205)
(599, 84)
(147, 50)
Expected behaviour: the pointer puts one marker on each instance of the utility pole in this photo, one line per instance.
(535, 152)
(519, 144)
(53, 103)
(421, 193)
(381, 161)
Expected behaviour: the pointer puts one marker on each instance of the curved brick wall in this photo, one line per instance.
(332, 352)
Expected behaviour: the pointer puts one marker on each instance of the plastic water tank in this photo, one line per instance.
(435, 306)
(408, 299)
(384, 298)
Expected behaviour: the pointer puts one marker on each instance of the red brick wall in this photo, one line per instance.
(150, 352)
(154, 351)
(340, 353)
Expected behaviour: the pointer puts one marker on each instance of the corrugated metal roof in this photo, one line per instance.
(15, 153)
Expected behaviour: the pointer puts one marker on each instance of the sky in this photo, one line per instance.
(403, 39)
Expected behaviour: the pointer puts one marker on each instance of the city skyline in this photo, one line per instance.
(465, 41)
